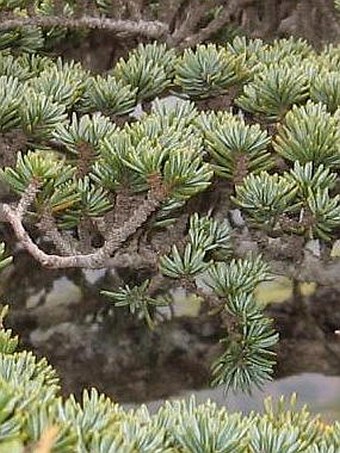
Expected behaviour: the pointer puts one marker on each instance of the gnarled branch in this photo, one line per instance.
(216, 24)
(154, 29)
(62, 241)
(95, 260)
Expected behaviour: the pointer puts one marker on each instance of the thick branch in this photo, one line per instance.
(95, 260)
(194, 14)
(135, 8)
(117, 237)
(85, 236)
(63, 242)
(328, 11)
(216, 24)
(169, 10)
(150, 29)
(27, 198)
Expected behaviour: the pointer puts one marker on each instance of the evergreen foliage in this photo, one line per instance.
(290, 50)
(63, 82)
(298, 202)
(325, 88)
(265, 198)
(275, 89)
(236, 148)
(10, 96)
(108, 96)
(91, 176)
(309, 134)
(208, 71)
(148, 70)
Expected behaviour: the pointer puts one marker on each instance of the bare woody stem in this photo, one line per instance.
(27, 198)
(216, 24)
(149, 29)
(184, 33)
(63, 242)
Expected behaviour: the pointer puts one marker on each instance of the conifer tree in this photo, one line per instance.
(97, 184)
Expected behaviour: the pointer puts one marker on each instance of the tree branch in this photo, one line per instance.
(327, 9)
(97, 259)
(27, 198)
(223, 18)
(168, 10)
(154, 29)
(58, 6)
(63, 242)
(101, 225)
(194, 14)
(135, 8)
(84, 235)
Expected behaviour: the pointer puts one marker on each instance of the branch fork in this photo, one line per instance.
(115, 235)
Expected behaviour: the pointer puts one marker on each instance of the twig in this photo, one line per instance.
(47, 440)
(30, 7)
(118, 236)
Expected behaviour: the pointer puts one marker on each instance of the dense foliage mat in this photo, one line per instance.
(99, 169)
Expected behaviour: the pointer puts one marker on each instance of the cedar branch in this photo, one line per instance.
(216, 24)
(99, 258)
(63, 242)
(154, 29)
